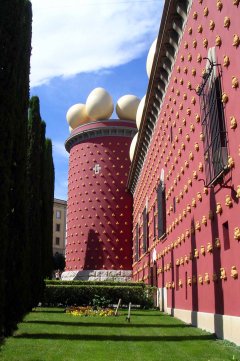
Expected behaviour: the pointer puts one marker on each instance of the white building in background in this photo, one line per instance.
(59, 226)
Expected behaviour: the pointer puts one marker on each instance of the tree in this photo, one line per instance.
(15, 50)
(34, 197)
(47, 210)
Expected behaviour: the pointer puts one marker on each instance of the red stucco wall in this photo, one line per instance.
(179, 110)
(99, 211)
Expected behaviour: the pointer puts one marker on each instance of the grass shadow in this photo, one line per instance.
(61, 310)
(115, 338)
(97, 324)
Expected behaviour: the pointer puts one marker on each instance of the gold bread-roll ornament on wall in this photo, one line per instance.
(219, 5)
(211, 25)
(237, 233)
(194, 43)
(224, 98)
(233, 122)
(230, 163)
(209, 247)
(195, 15)
(218, 41)
(228, 201)
(199, 58)
(223, 274)
(206, 278)
(219, 209)
(226, 22)
(217, 243)
(196, 253)
(235, 82)
(204, 220)
(234, 272)
(226, 61)
(236, 40)
(238, 191)
(205, 11)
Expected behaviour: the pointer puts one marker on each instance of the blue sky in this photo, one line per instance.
(79, 45)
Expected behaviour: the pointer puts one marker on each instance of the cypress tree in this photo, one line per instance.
(48, 197)
(34, 198)
(15, 49)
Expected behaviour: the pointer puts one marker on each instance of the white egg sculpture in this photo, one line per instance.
(70, 129)
(76, 115)
(150, 57)
(126, 107)
(99, 104)
(133, 146)
(140, 112)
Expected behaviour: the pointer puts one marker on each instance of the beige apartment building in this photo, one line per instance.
(59, 226)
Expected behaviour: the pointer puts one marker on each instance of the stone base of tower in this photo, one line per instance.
(98, 275)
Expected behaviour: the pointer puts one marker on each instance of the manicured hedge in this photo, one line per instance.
(94, 283)
(82, 295)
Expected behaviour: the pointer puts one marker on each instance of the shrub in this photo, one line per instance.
(94, 283)
(84, 294)
(100, 302)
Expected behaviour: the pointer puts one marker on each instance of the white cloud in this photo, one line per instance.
(74, 36)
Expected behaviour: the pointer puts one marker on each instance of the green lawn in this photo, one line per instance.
(48, 334)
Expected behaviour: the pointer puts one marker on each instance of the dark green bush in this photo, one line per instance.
(94, 283)
(82, 295)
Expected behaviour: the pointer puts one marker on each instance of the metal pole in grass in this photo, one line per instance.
(118, 305)
(129, 312)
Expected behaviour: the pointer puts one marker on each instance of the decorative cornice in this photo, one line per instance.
(173, 22)
(100, 130)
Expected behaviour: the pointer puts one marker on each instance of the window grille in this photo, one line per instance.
(155, 221)
(161, 202)
(137, 243)
(145, 230)
(213, 124)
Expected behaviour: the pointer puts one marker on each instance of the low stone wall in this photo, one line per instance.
(98, 275)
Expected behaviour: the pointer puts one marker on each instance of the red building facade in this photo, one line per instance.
(99, 209)
(185, 176)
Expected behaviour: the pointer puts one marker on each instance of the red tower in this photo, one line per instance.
(99, 210)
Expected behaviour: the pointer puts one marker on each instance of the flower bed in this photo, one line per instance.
(89, 311)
